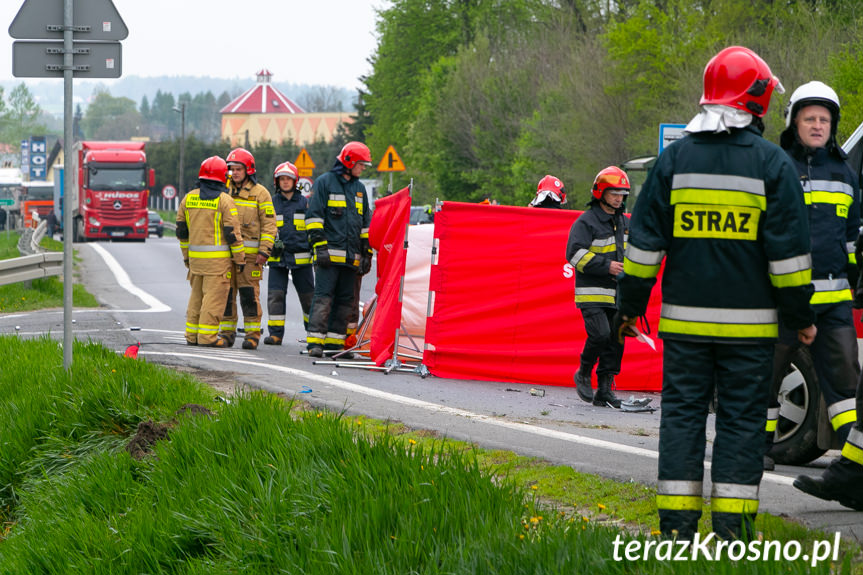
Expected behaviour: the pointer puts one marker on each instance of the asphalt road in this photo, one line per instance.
(143, 293)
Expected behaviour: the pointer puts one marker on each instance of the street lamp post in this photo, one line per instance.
(182, 111)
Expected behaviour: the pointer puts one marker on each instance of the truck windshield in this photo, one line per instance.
(40, 193)
(106, 179)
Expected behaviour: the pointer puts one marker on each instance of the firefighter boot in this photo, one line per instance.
(604, 394)
(840, 482)
(228, 337)
(250, 342)
(272, 340)
(583, 386)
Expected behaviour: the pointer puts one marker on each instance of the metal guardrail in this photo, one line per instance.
(31, 267)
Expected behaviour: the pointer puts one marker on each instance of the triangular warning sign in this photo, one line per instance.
(304, 161)
(391, 162)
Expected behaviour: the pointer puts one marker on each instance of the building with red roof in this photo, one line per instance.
(263, 113)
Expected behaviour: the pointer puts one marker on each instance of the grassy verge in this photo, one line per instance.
(263, 487)
(40, 293)
(168, 216)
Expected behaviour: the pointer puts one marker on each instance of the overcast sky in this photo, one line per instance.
(303, 42)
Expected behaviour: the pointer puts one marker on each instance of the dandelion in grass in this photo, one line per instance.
(601, 506)
(584, 518)
(655, 532)
(412, 441)
(534, 487)
(521, 536)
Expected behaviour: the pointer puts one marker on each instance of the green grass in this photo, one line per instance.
(40, 293)
(264, 487)
(168, 216)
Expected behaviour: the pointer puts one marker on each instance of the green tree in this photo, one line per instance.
(110, 118)
(20, 115)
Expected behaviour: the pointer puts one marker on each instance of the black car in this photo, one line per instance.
(421, 215)
(154, 224)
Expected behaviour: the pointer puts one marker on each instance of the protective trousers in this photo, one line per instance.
(834, 356)
(248, 286)
(206, 305)
(600, 344)
(354, 317)
(741, 376)
(331, 307)
(277, 289)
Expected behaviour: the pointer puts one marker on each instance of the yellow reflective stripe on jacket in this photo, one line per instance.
(337, 201)
(642, 263)
(842, 412)
(314, 223)
(280, 220)
(721, 190)
(791, 272)
(853, 448)
(719, 322)
(603, 246)
(338, 256)
(828, 192)
(300, 221)
(594, 295)
(245, 203)
(358, 204)
(581, 258)
(831, 291)
(772, 419)
(209, 252)
(364, 233)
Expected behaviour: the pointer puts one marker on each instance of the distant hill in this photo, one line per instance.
(49, 93)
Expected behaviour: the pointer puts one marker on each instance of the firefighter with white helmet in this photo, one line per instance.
(722, 207)
(595, 248)
(833, 200)
(291, 258)
(258, 220)
(337, 222)
(208, 228)
(832, 196)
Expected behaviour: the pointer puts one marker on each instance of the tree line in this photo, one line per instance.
(484, 98)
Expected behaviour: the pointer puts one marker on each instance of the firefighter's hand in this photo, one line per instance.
(623, 326)
(614, 268)
(322, 257)
(365, 264)
(807, 334)
(186, 263)
(261, 258)
(241, 268)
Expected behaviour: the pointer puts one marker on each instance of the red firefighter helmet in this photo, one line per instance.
(354, 152)
(285, 169)
(244, 157)
(611, 179)
(550, 187)
(214, 168)
(739, 78)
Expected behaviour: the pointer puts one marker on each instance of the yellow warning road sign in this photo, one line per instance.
(304, 164)
(391, 162)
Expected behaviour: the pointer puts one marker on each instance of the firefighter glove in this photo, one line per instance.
(858, 298)
(322, 256)
(623, 326)
(241, 268)
(261, 258)
(365, 263)
(186, 262)
(278, 249)
(852, 272)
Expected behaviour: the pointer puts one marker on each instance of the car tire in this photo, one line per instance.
(795, 441)
(161, 233)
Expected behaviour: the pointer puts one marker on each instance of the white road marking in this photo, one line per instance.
(126, 283)
(437, 408)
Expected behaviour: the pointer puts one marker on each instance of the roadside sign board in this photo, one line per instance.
(7, 202)
(45, 59)
(305, 187)
(169, 192)
(304, 164)
(669, 133)
(391, 162)
(92, 19)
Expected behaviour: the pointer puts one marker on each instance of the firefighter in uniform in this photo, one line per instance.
(209, 232)
(832, 196)
(550, 193)
(337, 222)
(258, 221)
(291, 258)
(723, 207)
(595, 249)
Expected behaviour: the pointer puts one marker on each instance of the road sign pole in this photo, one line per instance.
(390, 189)
(68, 232)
